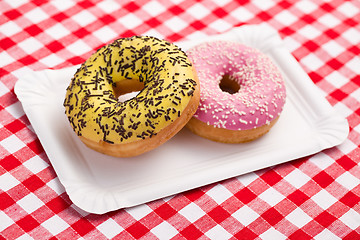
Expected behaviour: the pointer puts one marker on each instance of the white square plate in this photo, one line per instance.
(98, 183)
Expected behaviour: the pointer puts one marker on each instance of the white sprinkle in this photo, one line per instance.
(243, 121)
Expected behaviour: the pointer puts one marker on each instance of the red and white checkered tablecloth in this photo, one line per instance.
(315, 197)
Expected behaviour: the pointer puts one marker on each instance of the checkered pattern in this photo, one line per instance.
(316, 197)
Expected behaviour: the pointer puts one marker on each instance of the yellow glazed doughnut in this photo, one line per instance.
(169, 96)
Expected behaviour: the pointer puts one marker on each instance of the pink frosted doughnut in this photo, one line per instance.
(242, 92)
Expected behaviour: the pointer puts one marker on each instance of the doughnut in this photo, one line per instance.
(242, 92)
(168, 96)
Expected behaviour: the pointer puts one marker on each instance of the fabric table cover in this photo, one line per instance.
(315, 197)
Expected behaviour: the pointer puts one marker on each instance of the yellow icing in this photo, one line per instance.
(91, 102)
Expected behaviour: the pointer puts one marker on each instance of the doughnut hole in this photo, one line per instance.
(229, 85)
(127, 89)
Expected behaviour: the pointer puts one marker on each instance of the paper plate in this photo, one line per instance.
(98, 183)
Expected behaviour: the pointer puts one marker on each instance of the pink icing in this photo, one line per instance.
(262, 91)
